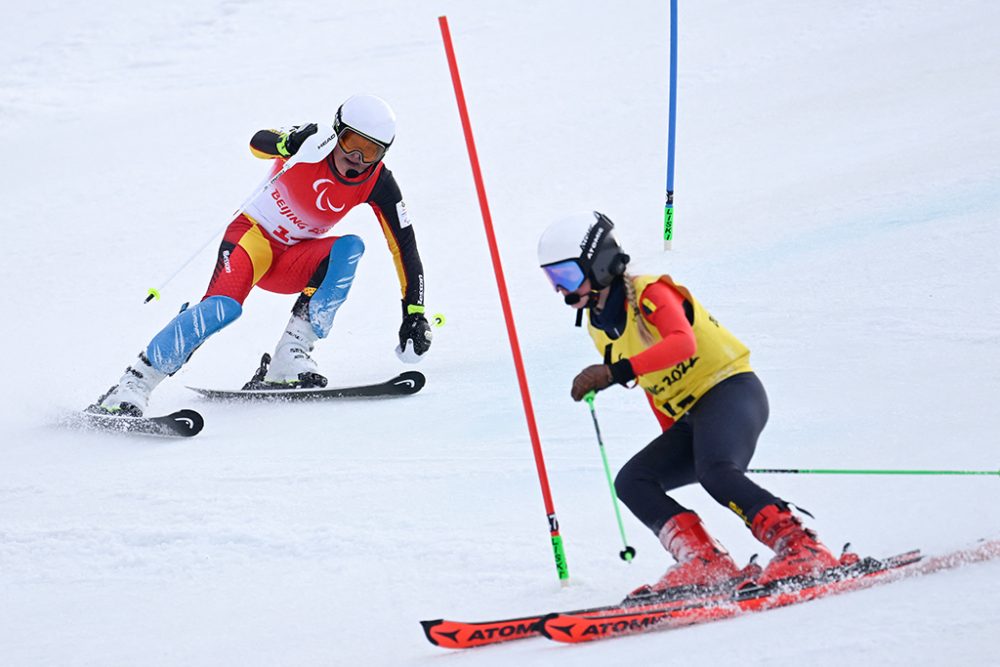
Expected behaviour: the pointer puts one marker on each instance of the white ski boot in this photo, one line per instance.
(131, 395)
(291, 364)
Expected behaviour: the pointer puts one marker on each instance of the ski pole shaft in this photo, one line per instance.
(154, 292)
(628, 553)
(830, 471)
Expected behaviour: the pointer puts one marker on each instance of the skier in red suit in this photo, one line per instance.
(279, 243)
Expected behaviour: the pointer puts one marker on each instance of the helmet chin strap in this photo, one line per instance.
(573, 298)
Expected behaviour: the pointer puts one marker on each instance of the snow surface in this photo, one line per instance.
(838, 183)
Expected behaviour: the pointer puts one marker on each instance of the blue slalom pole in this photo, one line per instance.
(668, 209)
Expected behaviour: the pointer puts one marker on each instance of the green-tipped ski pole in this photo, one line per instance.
(831, 471)
(628, 553)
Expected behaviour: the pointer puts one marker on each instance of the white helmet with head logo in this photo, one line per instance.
(371, 118)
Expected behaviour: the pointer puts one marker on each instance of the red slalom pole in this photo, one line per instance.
(515, 348)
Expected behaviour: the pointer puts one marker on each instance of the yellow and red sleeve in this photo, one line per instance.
(264, 144)
(663, 307)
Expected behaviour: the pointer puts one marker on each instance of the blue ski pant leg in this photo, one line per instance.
(174, 345)
(333, 290)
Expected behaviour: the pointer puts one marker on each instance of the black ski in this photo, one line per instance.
(404, 384)
(180, 424)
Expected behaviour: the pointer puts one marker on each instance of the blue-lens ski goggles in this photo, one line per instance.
(566, 274)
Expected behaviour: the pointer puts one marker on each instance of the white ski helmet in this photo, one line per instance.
(369, 116)
(579, 247)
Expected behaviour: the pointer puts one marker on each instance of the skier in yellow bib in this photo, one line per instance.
(709, 402)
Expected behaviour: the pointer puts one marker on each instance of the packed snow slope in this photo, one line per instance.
(837, 195)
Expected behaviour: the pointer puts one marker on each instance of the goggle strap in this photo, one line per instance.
(602, 223)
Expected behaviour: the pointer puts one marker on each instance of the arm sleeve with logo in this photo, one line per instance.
(663, 307)
(387, 202)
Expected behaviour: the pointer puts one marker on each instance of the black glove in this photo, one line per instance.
(414, 335)
(290, 143)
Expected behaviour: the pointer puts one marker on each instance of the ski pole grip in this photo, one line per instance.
(589, 397)
(315, 148)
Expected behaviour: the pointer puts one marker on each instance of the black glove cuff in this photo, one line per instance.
(621, 372)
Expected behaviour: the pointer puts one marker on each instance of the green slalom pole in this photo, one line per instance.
(628, 553)
(830, 471)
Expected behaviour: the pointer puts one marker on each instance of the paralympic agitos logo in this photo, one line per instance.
(323, 202)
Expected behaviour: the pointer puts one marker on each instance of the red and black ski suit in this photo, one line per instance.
(278, 243)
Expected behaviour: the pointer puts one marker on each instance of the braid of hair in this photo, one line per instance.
(633, 300)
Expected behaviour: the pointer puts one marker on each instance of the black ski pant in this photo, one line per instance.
(711, 444)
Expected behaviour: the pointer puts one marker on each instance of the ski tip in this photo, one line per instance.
(182, 423)
(188, 422)
(430, 625)
(409, 382)
(543, 625)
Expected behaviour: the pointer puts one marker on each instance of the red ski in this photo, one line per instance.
(462, 634)
(584, 627)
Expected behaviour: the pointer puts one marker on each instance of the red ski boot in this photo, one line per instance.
(797, 551)
(701, 561)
